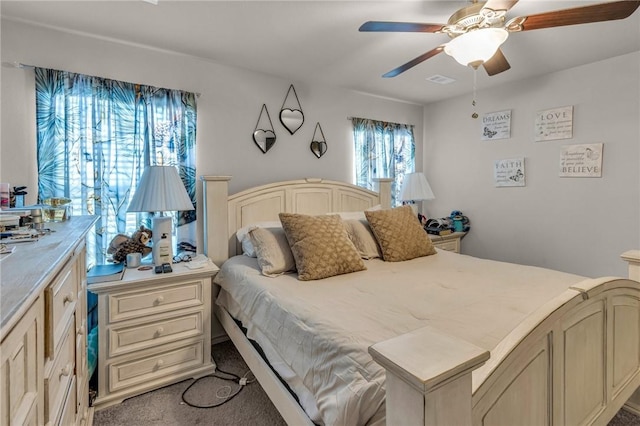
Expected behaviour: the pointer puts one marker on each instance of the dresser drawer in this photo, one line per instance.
(123, 339)
(56, 384)
(60, 304)
(156, 365)
(451, 245)
(149, 301)
(68, 416)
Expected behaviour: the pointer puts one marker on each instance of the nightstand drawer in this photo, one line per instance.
(451, 245)
(150, 367)
(149, 301)
(129, 338)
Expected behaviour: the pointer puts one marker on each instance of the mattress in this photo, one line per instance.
(316, 334)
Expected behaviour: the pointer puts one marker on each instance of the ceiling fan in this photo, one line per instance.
(477, 31)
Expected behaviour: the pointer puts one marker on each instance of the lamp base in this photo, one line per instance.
(161, 225)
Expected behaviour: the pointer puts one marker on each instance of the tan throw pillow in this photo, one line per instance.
(272, 250)
(361, 236)
(320, 246)
(399, 234)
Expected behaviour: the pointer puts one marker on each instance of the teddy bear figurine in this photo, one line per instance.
(121, 245)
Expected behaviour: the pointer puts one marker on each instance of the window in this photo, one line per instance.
(95, 136)
(383, 150)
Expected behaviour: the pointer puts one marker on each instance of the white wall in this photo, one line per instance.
(228, 108)
(578, 225)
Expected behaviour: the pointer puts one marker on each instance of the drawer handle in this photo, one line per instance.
(66, 370)
(159, 300)
(159, 363)
(159, 331)
(81, 330)
(68, 298)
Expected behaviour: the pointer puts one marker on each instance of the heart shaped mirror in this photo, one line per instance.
(291, 115)
(318, 143)
(264, 139)
(291, 119)
(263, 135)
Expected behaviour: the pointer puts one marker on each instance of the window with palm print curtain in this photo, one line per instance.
(383, 150)
(95, 136)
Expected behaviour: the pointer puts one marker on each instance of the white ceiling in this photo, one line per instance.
(318, 41)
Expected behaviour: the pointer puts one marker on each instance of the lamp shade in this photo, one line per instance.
(477, 46)
(416, 188)
(160, 190)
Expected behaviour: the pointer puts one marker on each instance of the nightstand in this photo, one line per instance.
(449, 242)
(153, 330)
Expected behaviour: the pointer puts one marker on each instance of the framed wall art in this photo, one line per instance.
(509, 172)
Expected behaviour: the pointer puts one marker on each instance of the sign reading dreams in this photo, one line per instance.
(496, 125)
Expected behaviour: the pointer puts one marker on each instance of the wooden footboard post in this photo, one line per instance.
(633, 258)
(428, 377)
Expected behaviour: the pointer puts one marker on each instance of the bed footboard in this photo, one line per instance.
(575, 361)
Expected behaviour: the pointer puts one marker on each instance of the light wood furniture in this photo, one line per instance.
(154, 330)
(450, 242)
(632, 257)
(575, 360)
(43, 370)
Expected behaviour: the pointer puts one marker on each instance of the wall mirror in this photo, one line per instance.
(318, 142)
(291, 115)
(263, 135)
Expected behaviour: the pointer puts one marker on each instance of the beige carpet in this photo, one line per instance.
(164, 407)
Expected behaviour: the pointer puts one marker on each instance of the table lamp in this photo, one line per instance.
(160, 190)
(415, 188)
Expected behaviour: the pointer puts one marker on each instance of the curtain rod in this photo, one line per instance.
(383, 121)
(21, 66)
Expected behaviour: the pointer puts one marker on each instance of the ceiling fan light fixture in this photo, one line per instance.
(476, 47)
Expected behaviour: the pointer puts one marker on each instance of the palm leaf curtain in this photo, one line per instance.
(383, 150)
(95, 136)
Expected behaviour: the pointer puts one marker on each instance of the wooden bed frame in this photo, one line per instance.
(575, 361)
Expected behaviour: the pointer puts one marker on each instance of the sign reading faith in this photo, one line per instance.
(554, 124)
(581, 160)
(496, 125)
(509, 172)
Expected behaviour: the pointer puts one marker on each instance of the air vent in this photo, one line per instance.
(440, 79)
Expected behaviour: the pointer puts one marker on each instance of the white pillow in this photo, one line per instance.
(242, 235)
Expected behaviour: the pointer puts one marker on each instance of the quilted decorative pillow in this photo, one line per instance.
(399, 234)
(361, 236)
(320, 246)
(272, 250)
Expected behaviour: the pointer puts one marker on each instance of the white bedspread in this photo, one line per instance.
(316, 333)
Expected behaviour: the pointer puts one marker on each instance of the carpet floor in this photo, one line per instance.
(164, 407)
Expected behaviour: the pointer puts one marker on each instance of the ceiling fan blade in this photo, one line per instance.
(497, 64)
(578, 15)
(414, 62)
(402, 27)
(499, 4)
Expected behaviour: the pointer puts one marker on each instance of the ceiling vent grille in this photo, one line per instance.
(440, 79)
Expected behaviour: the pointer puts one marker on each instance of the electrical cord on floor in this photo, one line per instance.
(224, 393)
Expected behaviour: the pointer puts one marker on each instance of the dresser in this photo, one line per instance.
(43, 365)
(154, 329)
(450, 242)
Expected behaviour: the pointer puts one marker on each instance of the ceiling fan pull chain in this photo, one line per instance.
(473, 102)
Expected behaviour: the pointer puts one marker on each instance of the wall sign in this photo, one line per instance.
(552, 124)
(496, 125)
(509, 172)
(581, 160)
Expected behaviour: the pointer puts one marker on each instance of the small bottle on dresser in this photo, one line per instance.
(163, 252)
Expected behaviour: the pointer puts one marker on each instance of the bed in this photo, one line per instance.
(486, 349)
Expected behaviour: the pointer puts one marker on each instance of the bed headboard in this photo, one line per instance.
(224, 214)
